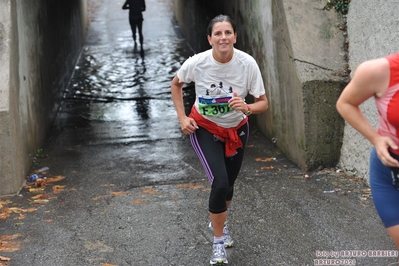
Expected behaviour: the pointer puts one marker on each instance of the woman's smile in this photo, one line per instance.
(222, 41)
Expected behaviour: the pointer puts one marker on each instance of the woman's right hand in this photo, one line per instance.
(382, 144)
(188, 125)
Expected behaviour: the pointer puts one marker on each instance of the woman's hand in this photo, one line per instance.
(382, 144)
(188, 125)
(237, 103)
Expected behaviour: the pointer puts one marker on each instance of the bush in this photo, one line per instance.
(341, 6)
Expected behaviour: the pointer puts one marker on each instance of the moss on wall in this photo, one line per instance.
(324, 127)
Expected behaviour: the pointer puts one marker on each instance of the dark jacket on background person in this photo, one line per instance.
(136, 7)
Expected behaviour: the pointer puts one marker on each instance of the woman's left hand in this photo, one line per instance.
(237, 103)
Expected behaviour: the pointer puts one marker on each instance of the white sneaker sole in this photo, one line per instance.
(219, 262)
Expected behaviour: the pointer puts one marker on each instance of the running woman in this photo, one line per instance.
(378, 78)
(218, 122)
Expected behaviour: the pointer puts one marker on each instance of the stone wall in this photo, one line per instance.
(299, 48)
(39, 45)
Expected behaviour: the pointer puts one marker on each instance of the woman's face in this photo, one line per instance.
(222, 41)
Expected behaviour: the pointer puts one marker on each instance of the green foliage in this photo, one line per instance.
(39, 152)
(341, 6)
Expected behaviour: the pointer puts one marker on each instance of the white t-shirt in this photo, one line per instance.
(215, 83)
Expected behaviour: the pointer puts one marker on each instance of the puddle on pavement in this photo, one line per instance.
(118, 94)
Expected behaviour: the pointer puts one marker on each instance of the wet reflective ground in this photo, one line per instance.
(119, 94)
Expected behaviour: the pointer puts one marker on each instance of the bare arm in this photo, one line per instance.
(260, 105)
(187, 124)
(371, 78)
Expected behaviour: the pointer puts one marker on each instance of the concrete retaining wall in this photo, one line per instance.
(299, 48)
(40, 42)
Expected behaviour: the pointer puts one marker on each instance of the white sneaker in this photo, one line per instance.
(218, 254)
(228, 240)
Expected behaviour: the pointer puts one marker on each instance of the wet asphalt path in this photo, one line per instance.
(133, 192)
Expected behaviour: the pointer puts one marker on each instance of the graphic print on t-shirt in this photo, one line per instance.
(215, 102)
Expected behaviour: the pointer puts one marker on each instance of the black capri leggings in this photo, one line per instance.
(221, 171)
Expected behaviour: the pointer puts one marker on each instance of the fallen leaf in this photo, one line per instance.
(7, 245)
(48, 221)
(55, 179)
(40, 182)
(265, 159)
(266, 168)
(192, 186)
(113, 194)
(150, 191)
(4, 203)
(57, 189)
(5, 213)
(4, 258)
(20, 210)
(20, 217)
(36, 189)
(139, 201)
(41, 196)
(120, 193)
(9, 237)
(99, 197)
(10, 246)
(40, 201)
(108, 185)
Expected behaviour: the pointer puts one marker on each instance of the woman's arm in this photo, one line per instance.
(126, 5)
(143, 6)
(187, 124)
(371, 79)
(259, 106)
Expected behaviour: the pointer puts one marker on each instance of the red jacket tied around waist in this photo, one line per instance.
(227, 135)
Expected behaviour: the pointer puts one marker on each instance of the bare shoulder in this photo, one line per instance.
(374, 67)
(373, 74)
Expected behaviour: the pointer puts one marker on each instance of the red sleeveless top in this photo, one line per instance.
(388, 104)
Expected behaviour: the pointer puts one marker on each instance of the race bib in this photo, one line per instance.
(214, 105)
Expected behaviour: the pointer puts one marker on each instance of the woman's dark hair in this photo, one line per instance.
(220, 18)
